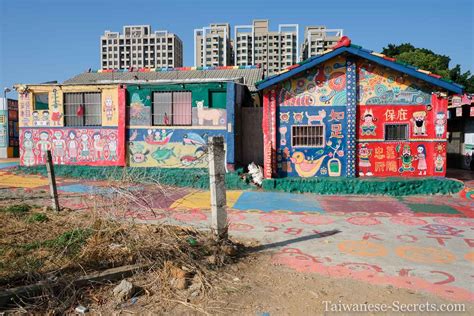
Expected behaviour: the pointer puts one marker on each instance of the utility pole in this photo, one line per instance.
(217, 185)
(52, 181)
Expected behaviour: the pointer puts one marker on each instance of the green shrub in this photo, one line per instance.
(37, 217)
(17, 209)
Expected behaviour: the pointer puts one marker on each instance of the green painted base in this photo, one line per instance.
(192, 178)
(358, 186)
(199, 179)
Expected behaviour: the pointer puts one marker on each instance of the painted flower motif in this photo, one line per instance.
(330, 155)
(363, 221)
(240, 227)
(275, 218)
(340, 153)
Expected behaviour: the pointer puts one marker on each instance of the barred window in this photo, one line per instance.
(172, 108)
(307, 136)
(396, 131)
(82, 109)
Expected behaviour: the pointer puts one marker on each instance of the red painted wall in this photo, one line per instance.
(422, 154)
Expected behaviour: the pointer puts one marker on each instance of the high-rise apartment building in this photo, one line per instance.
(318, 39)
(139, 47)
(272, 50)
(213, 46)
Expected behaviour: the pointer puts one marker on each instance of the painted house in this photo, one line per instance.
(352, 112)
(461, 132)
(139, 120)
(80, 124)
(169, 124)
(9, 128)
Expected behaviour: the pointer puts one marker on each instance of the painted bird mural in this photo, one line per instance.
(306, 168)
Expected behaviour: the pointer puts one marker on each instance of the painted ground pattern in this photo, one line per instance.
(422, 243)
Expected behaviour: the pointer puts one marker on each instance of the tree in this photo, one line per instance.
(428, 60)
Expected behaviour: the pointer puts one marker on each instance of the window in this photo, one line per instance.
(396, 131)
(172, 108)
(41, 101)
(307, 136)
(218, 99)
(82, 109)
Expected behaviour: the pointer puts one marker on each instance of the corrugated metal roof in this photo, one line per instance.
(245, 76)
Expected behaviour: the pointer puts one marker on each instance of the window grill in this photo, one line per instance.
(396, 131)
(307, 136)
(172, 108)
(82, 109)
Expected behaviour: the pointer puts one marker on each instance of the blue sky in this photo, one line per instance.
(44, 40)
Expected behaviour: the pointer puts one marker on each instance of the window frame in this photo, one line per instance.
(173, 103)
(322, 136)
(35, 107)
(385, 132)
(84, 104)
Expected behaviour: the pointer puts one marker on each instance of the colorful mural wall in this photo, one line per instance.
(167, 146)
(382, 86)
(43, 129)
(209, 103)
(98, 146)
(316, 99)
(353, 102)
(387, 98)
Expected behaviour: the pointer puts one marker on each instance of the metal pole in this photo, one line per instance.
(217, 185)
(52, 181)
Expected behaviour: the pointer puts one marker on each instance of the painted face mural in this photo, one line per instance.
(419, 123)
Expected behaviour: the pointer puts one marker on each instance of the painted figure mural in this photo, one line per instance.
(440, 124)
(68, 146)
(368, 126)
(421, 157)
(109, 108)
(365, 165)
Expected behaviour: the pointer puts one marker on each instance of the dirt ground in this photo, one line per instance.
(264, 288)
(254, 286)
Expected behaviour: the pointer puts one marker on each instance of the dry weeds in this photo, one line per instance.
(40, 246)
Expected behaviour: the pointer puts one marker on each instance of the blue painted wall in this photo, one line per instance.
(316, 97)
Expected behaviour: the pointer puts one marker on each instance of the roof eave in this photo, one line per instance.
(364, 54)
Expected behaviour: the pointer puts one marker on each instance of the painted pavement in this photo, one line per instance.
(421, 243)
